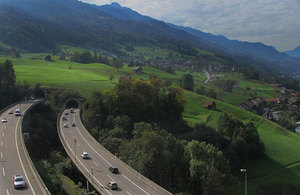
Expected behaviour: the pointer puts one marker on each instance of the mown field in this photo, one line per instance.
(282, 161)
(282, 164)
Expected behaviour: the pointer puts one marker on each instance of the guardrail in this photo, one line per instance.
(86, 173)
(124, 165)
(35, 173)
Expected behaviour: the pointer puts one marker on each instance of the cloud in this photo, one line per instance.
(273, 22)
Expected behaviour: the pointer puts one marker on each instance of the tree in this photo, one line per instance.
(48, 58)
(207, 164)
(212, 94)
(187, 82)
(111, 77)
(117, 63)
(200, 90)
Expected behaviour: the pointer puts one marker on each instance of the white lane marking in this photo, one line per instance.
(67, 144)
(3, 134)
(7, 192)
(78, 144)
(110, 177)
(135, 184)
(1, 143)
(128, 193)
(108, 162)
(93, 148)
(3, 171)
(1, 155)
(16, 139)
(95, 163)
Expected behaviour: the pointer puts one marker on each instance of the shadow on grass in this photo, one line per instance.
(266, 176)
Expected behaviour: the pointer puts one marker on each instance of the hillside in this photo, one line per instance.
(259, 52)
(282, 156)
(294, 53)
(85, 25)
(37, 26)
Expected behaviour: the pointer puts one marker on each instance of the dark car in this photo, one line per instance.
(114, 170)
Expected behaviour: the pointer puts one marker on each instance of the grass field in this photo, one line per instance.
(282, 161)
(262, 90)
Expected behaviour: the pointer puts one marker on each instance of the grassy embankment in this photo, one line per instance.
(281, 163)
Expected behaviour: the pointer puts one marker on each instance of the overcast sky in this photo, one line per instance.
(273, 22)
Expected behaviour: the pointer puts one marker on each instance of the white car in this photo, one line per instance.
(84, 155)
(19, 182)
(66, 126)
(112, 185)
(4, 120)
(10, 112)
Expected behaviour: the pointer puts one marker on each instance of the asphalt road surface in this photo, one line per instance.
(77, 140)
(12, 155)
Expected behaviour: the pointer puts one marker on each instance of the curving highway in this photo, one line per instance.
(14, 158)
(76, 140)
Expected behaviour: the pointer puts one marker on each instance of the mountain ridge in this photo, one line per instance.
(255, 50)
(113, 28)
(294, 53)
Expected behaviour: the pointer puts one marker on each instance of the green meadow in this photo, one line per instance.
(282, 161)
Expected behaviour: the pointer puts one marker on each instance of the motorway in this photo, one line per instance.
(77, 140)
(13, 155)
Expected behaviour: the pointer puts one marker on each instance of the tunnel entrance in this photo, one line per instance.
(72, 103)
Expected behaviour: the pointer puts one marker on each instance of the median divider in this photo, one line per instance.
(34, 172)
(142, 178)
(85, 172)
(24, 153)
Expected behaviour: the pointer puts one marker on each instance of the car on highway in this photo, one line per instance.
(18, 112)
(71, 111)
(112, 185)
(4, 120)
(64, 118)
(66, 113)
(85, 155)
(66, 126)
(10, 112)
(19, 182)
(114, 170)
(73, 125)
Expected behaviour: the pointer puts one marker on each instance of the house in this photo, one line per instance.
(251, 104)
(124, 78)
(138, 69)
(211, 105)
(277, 115)
(284, 91)
(297, 130)
(272, 100)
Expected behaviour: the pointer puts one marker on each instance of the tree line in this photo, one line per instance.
(141, 122)
(10, 91)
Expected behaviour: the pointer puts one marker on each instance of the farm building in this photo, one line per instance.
(211, 105)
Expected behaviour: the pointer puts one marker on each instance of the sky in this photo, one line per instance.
(272, 22)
